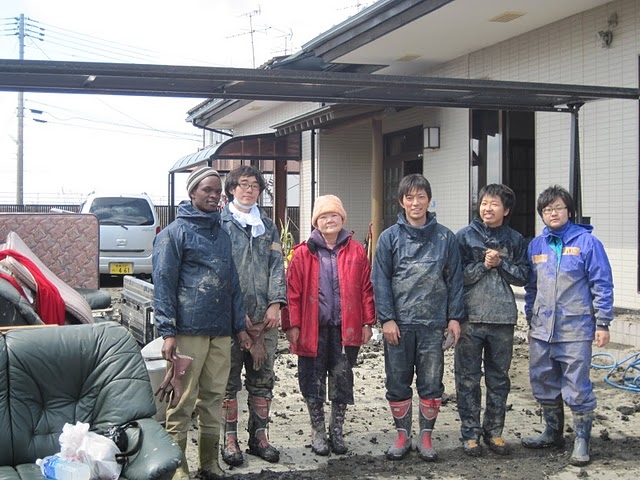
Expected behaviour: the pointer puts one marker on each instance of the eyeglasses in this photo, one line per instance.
(249, 186)
(556, 209)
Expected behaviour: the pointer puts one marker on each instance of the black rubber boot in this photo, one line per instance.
(429, 408)
(231, 453)
(582, 423)
(258, 423)
(336, 421)
(319, 442)
(402, 417)
(553, 432)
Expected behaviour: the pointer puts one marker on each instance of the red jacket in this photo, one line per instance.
(356, 296)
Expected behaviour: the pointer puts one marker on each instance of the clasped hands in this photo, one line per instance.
(492, 258)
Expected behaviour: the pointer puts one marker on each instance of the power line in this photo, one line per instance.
(75, 115)
(153, 133)
(97, 42)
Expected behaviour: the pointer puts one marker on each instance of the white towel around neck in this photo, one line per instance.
(252, 218)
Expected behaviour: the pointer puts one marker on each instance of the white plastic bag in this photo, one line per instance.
(97, 451)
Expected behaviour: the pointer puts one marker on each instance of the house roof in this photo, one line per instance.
(407, 37)
(413, 36)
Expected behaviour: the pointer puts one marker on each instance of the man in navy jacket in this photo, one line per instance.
(418, 290)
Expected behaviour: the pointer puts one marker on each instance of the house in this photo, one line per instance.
(350, 149)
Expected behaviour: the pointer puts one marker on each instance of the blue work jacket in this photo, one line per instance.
(571, 285)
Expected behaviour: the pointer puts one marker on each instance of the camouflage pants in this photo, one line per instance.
(333, 361)
(491, 345)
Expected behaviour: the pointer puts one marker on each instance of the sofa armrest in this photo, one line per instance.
(159, 455)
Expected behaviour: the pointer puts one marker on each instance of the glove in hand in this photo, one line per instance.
(171, 389)
(257, 350)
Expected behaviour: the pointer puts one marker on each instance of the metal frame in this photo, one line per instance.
(295, 86)
(309, 86)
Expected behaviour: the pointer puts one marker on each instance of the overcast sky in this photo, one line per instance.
(117, 144)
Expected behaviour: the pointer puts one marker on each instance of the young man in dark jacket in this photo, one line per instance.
(494, 257)
(257, 253)
(418, 290)
(569, 303)
(198, 307)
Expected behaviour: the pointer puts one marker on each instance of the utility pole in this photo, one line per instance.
(20, 165)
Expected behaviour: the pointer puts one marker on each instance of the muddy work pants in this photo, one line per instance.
(491, 345)
(333, 361)
(561, 370)
(419, 351)
(259, 383)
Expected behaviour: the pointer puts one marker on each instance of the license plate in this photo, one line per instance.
(121, 268)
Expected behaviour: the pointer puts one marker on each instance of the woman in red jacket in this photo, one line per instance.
(329, 315)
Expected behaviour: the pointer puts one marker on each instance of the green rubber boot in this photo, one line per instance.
(319, 442)
(182, 472)
(208, 447)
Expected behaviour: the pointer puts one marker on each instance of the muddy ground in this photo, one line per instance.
(615, 447)
(368, 431)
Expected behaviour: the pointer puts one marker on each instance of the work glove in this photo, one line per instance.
(171, 389)
(257, 350)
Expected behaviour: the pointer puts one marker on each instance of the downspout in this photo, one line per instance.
(575, 177)
(313, 168)
(172, 197)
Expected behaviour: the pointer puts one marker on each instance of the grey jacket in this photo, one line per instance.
(260, 265)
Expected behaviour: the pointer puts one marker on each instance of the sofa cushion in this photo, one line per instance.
(14, 308)
(75, 304)
(92, 373)
(6, 449)
(8, 473)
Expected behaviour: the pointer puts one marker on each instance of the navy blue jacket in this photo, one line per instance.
(417, 275)
(488, 296)
(196, 287)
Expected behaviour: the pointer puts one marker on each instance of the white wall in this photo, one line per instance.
(569, 51)
(344, 170)
(446, 168)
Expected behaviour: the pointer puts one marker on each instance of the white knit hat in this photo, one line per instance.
(327, 204)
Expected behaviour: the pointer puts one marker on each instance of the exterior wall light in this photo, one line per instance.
(432, 137)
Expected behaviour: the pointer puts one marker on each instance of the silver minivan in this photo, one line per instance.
(128, 225)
